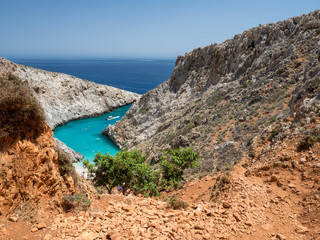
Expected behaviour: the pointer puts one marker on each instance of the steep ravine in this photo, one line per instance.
(222, 97)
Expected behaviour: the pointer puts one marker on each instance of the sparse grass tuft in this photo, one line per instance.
(306, 142)
(77, 202)
(176, 203)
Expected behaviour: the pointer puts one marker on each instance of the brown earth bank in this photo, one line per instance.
(33, 181)
(279, 199)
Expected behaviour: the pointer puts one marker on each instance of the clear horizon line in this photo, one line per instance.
(85, 57)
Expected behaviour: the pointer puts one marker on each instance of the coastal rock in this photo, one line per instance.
(72, 154)
(64, 97)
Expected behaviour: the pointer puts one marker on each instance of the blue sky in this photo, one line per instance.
(131, 28)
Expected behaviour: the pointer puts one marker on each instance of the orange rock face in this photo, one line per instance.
(30, 179)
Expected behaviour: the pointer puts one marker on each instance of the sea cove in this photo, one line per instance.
(85, 137)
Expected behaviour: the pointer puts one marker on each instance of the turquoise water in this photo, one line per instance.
(85, 137)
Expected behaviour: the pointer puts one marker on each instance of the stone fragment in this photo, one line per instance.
(226, 205)
(301, 229)
(87, 235)
(34, 229)
(237, 217)
(41, 225)
(47, 237)
(13, 219)
(280, 236)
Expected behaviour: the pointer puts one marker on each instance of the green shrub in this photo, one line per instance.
(297, 64)
(256, 98)
(252, 154)
(127, 169)
(75, 202)
(173, 163)
(215, 97)
(313, 119)
(273, 119)
(176, 203)
(273, 134)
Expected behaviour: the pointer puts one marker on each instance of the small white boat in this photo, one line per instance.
(111, 118)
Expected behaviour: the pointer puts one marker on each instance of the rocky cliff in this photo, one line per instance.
(224, 98)
(64, 97)
(35, 174)
(31, 181)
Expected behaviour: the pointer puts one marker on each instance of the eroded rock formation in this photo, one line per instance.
(233, 91)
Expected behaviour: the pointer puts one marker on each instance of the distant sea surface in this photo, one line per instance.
(136, 75)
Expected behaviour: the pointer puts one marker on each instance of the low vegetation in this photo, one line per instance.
(307, 141)
(222, 182)
(173, 163)
(129, 171)
(66, 167)
(176, 203)
(75, 202)
(20, 113)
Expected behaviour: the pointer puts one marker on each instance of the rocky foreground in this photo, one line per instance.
(279, 202)
(64, 97)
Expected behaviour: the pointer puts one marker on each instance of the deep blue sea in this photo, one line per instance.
(136, 75)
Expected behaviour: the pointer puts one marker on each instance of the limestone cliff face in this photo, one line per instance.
(221, 96)
(65, 98)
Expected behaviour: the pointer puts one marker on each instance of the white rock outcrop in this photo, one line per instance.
(65, 98)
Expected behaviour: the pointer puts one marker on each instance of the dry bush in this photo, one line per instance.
(176, 203)
(20, 113)
(77, 202)
(221, 184)
(306, 142)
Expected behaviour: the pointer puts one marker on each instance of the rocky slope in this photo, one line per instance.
(64, 97)
(31, 181)
(260, 86)
(278, 201)
(35, 174)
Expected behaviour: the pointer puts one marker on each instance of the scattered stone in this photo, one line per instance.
(273, 178)
(226, 205)
(290, 185)
(280, 236)
(47, 237)
(41, 225)
(34, 229)
(237, 217)
(301, 229)
(13, 219)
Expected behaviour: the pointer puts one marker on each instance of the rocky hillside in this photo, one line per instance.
(223, 100)
(254, 99)
(64, 97)
(35, 174)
